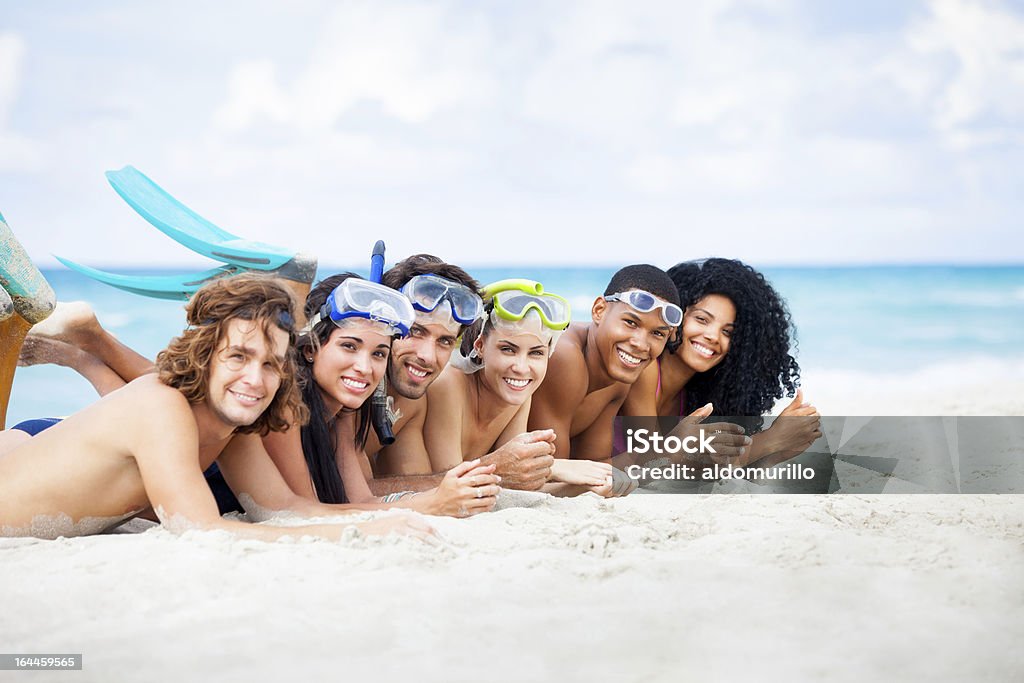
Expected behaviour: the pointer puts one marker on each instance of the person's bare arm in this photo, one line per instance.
(595, 442)
(642, 401)
(409, 457)
(442, 429)
(382, 486)
(524, 462)
(256, 481)
(166, 452)
(519, 424)
(466, 489)
(285, 451)
(563, 389)
(524, 456)
(791, 433)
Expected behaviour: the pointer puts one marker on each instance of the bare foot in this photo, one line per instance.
(40, 350)
(73, 322)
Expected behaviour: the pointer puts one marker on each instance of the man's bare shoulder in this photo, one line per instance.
(147, 403)
(567, 377)
(122, 423)
(148, 392)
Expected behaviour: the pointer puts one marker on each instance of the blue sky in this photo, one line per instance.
(528, 132)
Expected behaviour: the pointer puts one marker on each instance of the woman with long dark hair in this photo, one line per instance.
(732, 357)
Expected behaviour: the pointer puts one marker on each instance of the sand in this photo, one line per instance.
(647, 588)
(651, 587)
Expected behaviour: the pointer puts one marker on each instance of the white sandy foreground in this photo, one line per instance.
(651, 587)
(646, 588)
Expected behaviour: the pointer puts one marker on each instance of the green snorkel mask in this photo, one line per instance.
(520, 306)
(513, 299)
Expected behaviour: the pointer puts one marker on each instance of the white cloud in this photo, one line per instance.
(253, 91)
(12, 49)
(977, 104)
(432, 124)
(17, 152)
(410, 60)
(701, 177)
(609, 70)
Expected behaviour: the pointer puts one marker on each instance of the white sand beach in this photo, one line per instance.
(650, 587)
(864, 157)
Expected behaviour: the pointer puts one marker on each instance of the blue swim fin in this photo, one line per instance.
(173, 287)
(186, 227)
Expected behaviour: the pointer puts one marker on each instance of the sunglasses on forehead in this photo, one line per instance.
(645, 302)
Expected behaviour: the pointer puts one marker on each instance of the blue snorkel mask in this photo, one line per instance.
(368, 299)
(355, 298)
(427, 292)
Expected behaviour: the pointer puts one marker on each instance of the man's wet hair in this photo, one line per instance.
(186, 362)
(425, 264)
(646, 277)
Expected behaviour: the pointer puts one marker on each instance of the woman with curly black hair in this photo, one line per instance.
(731, 357)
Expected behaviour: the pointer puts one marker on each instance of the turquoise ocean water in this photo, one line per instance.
(891, 319)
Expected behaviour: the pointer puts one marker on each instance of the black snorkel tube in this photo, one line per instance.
(382, 414)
